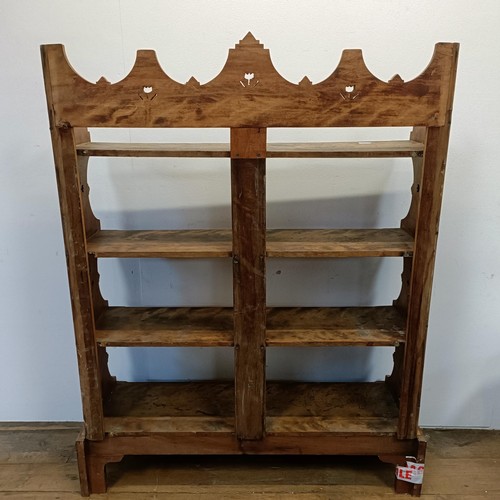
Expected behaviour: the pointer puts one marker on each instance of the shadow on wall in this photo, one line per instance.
(291, 282)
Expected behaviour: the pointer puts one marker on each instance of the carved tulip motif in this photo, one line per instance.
(248, 77)
(146, 93)
(349, 93)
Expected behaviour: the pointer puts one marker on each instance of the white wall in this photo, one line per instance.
(38, 375)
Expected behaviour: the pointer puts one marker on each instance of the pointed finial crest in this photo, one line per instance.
(249, 40)
(102, 81)
(396, 80)
(193, 82)
(305, 82)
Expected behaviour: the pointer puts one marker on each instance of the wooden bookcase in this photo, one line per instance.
(251, 415)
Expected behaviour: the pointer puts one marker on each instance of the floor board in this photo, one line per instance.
(37, 462)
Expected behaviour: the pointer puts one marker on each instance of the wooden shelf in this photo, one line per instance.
(213, 326)
(334, 326)
(292, 407)
(161, 326)
(199, 243)
(194, 243)
(150, 149)
(390, 242)
(360, 149)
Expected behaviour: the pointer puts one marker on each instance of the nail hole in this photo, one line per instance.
(147, 89)
(350, 88)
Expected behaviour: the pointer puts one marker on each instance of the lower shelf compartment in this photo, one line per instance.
(199, 407)
(293, 408)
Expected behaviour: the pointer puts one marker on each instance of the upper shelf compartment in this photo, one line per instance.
(361, 149)
(249, 92)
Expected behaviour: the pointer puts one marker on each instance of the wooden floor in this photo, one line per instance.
(37, 462)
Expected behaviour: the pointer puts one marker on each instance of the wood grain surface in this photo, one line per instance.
(353, 149)
(249, 415)
(200, 243)
(285, 326)
(350, 96)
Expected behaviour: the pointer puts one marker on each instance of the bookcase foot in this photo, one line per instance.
(409, 471)
(92, 468)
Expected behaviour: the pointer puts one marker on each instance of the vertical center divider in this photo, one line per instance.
(248, 200)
